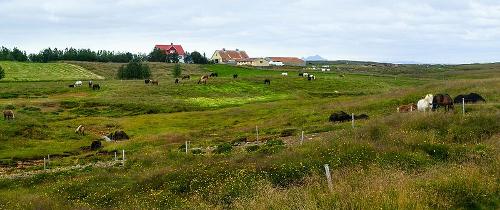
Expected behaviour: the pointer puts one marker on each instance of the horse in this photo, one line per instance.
(267, 81)
(155, 82)
(186, 77)
(71, 86)
(80, 130)
(305, 75)
(203, 79)
(147, 81)
(407, 108)
(469, 98)
(442, 100)
(301, 74)
(78, 83)
(284, 74)
(96, 87)
(90, 83)
(341, 116)
(177, 81)
(426, 103)
(235, 76)
(311, 77)
(8, 115)
(214, 75)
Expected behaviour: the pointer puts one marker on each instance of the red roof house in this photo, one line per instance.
(171, 49)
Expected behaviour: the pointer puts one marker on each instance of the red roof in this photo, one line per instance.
(235, 55)
(168, 48)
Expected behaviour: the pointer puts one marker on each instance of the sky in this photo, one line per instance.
(423, 31)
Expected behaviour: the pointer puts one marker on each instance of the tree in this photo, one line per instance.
(177, 71)
(173, 58)
(135, 69)
(198, 58)
(2, 73)
(157, 55)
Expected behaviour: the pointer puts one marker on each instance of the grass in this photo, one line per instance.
(411, 161)
(19, 71)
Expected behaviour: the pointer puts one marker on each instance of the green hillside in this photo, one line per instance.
(24, 71)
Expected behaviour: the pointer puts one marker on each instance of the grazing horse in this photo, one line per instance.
(426, 103)
(8, 115)
(235, 76)
(442, 100)
(301, 74)
(341, 116)
(305, 75)
(311, 77)
(90, 83)
(177, 81)
(203, 79)
(78, 83)
(284, 74)
(147, 81)
(96, 87)
(155, 82)
(80, 130)
(407, 108)
(267, 81)
(470, 98)
(214, 75)
(71, 86)
(186, 77)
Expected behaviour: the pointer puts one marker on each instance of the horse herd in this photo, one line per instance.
(434, 102)
(91, 85)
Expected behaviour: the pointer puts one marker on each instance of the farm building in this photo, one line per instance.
(258, 62)
(171, 49)
(286, 61)
(229, 56)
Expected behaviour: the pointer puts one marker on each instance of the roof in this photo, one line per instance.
(286, 59)
(167, 48)
(236, 55)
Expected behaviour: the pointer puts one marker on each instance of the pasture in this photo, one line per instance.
(392, 160)
(19, 71)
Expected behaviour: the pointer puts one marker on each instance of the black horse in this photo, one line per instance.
(235, 76)
(341, 116)
(147, 81)
(186, 77)
(96, 87)
(442, 100)
(214, 75)
(177, 81)
(267, 81)
(470, 98)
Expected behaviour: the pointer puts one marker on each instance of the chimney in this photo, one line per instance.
(223, 49)
(237, 49)
(171, 44)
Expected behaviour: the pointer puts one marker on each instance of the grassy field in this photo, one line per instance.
(392, 161)
(18, 71)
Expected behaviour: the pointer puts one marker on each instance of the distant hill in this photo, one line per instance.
(314, 58)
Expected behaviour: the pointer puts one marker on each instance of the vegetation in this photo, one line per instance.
(134, 70)
(197, 58)
(23, 71)
(393, 160)
(177, 71)
(12, 55)
(2, 73)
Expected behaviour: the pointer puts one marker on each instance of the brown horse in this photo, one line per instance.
(155, 82)
(203, 79)
(407, 108)
(442, 100)
(8, 115)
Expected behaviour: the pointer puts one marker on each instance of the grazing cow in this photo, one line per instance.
(90, 83)
(8, 115)
(177, 81)
(71, 86)
(424, 104)
(301, 74)
(442, 100)
(80, 130)
(155, 82)
(203, 79)
(96, 87)
(235, 76)
(407, 108)
(341, 116)
(284, 74)
(147, 81)
(214, 75)
(186, 77)
(267, 81)
(470, 98)
(78, 83)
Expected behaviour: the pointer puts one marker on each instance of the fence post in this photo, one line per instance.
(328, 177)
(123, 157)
(116, 159)
(44, 164)
(463, 106)
(352, 120)
(186, 147)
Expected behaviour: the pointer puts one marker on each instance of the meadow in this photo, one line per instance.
(393, 160)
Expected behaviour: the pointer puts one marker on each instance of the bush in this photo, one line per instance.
(223, 148)
(177, 71)
(134, 70)
(2, 73)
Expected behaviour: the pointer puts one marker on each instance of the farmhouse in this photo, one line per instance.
(286, 61)
(258, 62)
(229, 56)
(171, 49)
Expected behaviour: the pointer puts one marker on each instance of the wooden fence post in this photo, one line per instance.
(44, 164)
(328, 177)
(463, 106)
(352, 120)
(123, 157)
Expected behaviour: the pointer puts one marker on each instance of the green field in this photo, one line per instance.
(18, 71)
(393, 160)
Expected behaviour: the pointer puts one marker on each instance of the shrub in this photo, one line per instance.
(177, 71)
(2, 73)
(135, 69)
(223, 148)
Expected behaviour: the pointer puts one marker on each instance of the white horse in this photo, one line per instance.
(284, 74)
(78, 83)
(305, 75)
(426, 103)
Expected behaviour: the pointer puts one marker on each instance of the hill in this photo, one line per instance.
(25, 71)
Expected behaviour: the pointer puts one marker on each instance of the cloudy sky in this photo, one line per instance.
(431, 31)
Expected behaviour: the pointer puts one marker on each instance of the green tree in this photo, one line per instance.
(2, 73)
(197, 58)
(177, 71)
(135, 69)
(173, 58)
(157, 55)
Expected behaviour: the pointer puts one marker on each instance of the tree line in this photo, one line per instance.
(72, 54)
